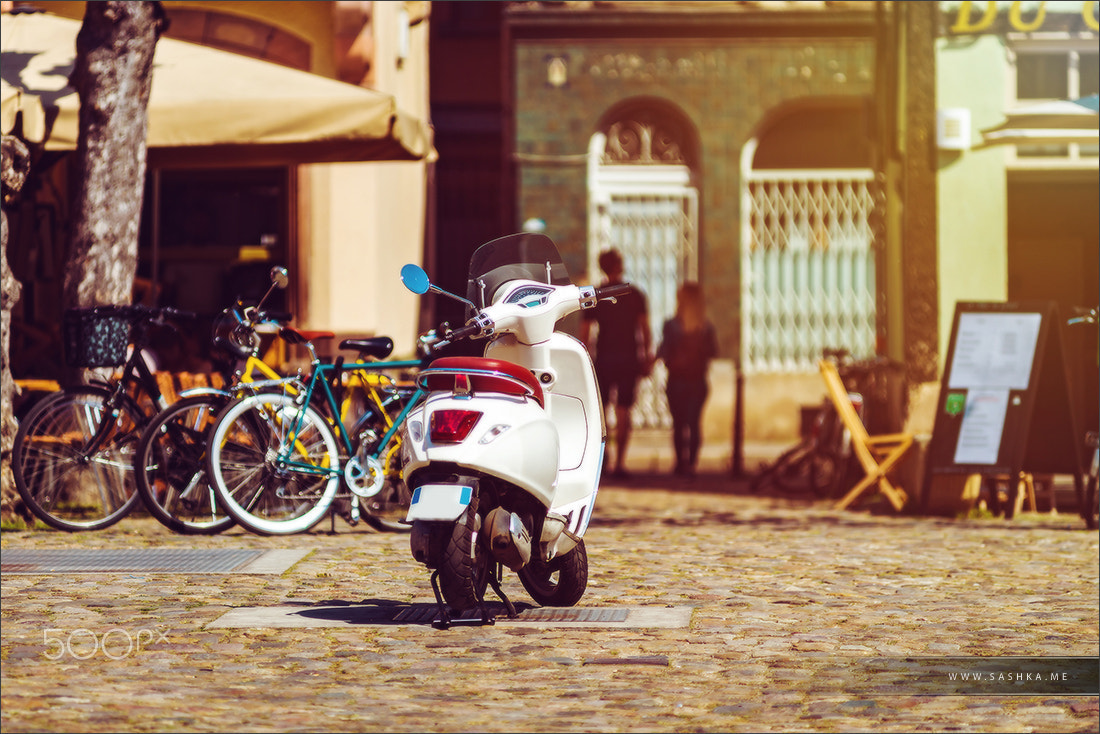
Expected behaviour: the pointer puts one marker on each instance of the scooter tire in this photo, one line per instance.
(560, 582)
(464, 569)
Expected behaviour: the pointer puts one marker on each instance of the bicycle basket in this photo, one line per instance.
(96, 337)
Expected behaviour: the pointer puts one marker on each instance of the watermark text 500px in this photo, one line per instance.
(114, 644)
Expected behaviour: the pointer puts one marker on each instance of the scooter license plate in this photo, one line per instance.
(439, 502)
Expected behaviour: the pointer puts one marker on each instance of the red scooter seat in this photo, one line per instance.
(484, 374)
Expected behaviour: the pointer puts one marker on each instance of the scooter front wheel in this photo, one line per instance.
(559, 582)
(464, 569)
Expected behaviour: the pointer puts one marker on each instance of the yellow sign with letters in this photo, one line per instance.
(974, 20)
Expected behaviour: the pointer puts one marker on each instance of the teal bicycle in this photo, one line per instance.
(280, 462)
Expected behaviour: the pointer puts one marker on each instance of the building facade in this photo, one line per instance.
(787, 155)
(728, 143)
(1016, 209)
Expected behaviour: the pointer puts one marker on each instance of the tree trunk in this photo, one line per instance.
(16, 166)
(112, 77)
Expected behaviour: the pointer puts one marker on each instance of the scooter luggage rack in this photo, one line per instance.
(479, 374)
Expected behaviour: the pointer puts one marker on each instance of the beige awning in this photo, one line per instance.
(208, 107)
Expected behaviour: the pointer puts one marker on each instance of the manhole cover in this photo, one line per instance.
(146, 560)
(425, 613)
(354, 615)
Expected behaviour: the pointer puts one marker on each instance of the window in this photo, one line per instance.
(1042, 76)
(1047, 70)
(219, 232)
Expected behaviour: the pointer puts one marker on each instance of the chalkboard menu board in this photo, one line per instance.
(1004, 404)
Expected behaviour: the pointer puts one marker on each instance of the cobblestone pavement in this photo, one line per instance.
(788, 600)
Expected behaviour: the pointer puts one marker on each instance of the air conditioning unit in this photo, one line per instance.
(953, 128)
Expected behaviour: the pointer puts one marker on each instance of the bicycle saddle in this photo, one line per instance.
(378, 347)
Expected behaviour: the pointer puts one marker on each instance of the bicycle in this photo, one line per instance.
(72, 455)
(820, 462)
(170, 458)
(1089, 502)
(279, 462)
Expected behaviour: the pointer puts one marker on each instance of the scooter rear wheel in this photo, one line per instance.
(559, 582)
(464, 570)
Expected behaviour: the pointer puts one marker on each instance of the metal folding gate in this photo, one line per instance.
(650, 213)
(807, 267)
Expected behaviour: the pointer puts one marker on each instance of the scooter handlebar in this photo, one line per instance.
(464, 332)
(613, 291)
(431, 343)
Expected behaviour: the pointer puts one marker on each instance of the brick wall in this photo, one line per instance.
(724, 86)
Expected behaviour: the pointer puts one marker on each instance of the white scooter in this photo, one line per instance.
(504, 455)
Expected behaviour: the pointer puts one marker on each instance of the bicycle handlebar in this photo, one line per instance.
(844, 361)
(136, 312)
(1085, 315)
(235, 329)
(240, 351)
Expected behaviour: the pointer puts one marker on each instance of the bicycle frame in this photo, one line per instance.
(134, 372)
(320, 382)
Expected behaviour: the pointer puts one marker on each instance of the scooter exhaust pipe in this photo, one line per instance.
(509, 541)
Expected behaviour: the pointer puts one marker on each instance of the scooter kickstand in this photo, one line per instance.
(495, 583)
(445, 621)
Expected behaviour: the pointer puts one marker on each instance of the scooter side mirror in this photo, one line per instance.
(279, 277)
(415, 279)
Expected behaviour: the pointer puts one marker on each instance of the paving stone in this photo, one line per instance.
(787, 599)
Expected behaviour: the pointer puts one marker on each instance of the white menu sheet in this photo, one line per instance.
(982, 425)
(994, 350)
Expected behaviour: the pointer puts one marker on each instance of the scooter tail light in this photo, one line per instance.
(452, 426)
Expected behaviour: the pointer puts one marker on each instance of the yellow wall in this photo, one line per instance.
(362, 221)
(971, 215)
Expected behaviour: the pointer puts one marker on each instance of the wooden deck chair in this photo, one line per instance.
(877, 454)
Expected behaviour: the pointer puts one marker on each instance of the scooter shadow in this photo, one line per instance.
(389, 612)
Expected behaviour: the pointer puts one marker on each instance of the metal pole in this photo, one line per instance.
(154, 266)
(738, 469)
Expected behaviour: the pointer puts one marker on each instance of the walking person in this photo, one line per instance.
(623, 351)
(688, 344)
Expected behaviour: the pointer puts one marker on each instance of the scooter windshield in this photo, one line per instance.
(522, 256)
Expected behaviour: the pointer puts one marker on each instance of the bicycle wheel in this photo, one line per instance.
(171, 467)
(789, 471)
(385, 510)
(273, 464)
(73, 459)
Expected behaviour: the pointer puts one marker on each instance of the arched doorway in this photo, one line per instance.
(643, 201)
